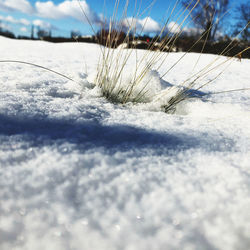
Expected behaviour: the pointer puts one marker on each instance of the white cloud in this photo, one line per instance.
(65, 9)
(11, 19)
(42, 24)
(48, 10)
(39, 23)
(5, 26)
(146, 25)
(149, 25)
(68, 8)
(23, 29)
(174, 27)
(24, 22)
(16, 5)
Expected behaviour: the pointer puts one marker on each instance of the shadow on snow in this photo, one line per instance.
(89, 134)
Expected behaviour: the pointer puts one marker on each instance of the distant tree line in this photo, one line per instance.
(208, 17)
(5, 32)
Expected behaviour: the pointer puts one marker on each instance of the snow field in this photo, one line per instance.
(78, 172)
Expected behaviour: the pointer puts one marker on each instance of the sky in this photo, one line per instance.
(63, 16)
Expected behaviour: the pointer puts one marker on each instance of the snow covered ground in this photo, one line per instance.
(80, 173)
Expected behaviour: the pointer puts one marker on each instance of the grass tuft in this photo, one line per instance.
(124, 75)
(127, 75)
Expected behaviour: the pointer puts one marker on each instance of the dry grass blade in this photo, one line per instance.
(39, 66)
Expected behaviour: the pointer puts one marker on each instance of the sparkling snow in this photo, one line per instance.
(80, 173)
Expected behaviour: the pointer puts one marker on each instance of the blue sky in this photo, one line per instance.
(62, 16)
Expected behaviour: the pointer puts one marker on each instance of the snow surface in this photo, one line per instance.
(78, 172)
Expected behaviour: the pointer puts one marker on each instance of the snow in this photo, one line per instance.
(78, 172)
